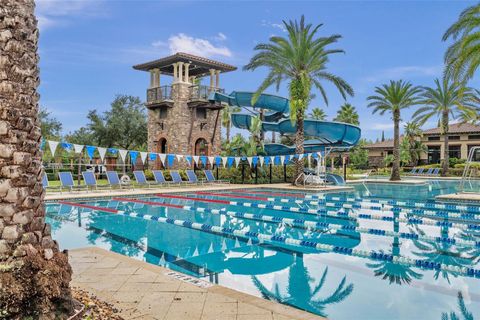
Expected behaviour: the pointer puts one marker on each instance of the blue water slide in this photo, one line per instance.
(276, 118)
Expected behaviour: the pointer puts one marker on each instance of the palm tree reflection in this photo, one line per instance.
(464, 313)
(301, 294)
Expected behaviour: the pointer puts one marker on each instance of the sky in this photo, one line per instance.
(87, 47)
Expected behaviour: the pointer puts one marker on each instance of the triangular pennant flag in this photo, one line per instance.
(90, 151)
(66, 145)
(143, 156)
(162, 157)
(113, 150)
(123, 154)
(300, 156)
(224, 160)
(237, 160)
(189, 160)
(102, 152)
(287, 159)
(153, 156)
(211, 160)
(218, 161)
(249, 160)
(42, 144)
(133, 156)
(230, 161)
(267, 160)
(262, 159)
(282, 159)
(78, 148)
(203, 159)
(53, 146)
(170, 159)
(179, 157)
(195, 159)
(255, 161)
(277, 160)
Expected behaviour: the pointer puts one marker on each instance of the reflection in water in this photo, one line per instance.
(301, 294)
(393, 271)
(464, 313)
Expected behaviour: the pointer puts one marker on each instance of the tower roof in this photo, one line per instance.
(199, 66)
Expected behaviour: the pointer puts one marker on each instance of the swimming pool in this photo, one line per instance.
(378, 252)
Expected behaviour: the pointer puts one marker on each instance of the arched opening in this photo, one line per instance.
(201, 149)
(161, 148)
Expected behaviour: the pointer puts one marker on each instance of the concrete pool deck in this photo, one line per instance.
(467, 197)
(144, 291)
(55, 196)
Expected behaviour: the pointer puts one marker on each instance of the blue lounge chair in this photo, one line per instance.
(114, 180)
(192, 177)
(413, 171)
(159, 178)
(429, 172)
(211, 178)
(45, 182)
(420, 171)
(141, 179)
(176, 178)
(66, 181)
(91, 180)
(436, 172)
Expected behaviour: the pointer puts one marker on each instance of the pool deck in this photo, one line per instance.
(466, 197)
(55, 196)
(145, 291)
(386, 181)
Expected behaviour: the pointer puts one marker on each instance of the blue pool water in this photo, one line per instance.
(372, 253)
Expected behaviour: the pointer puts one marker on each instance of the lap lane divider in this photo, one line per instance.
(81, 205)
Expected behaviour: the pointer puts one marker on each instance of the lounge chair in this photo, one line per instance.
(436, 172)
(420, 171)
(45, 182)
(211, 178)
(114, 180)
(192, 177)
(176, 178)
(141, 179)
(413, 171)
(66, 181)
(429, 172)
(91, 180)
(159, 178)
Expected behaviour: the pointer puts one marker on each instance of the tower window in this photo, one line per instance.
(163, 112)
(201, 113)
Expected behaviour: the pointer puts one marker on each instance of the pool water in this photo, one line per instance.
(378, 252)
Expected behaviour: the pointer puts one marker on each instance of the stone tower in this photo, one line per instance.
(181, 119)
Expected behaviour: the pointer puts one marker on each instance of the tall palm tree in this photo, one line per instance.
(412, 133)
(448, 100)
(301, 58)
(318, 114)
(462, 58)
(464, 313)
(227, 119)
(34, 275)
(392, 98)
(347, 114)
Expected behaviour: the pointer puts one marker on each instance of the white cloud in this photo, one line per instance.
(397, 73)
(55, 12)
(220, 37)
(274, 25)
(197, 46)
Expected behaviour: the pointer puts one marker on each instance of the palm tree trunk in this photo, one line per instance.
(228, 132)
(299, 141)
(445, 143)
(34, 275)
(396, 147)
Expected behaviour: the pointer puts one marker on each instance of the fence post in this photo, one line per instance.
(256, 174)
(243, 173)
(270, 173)
(216, 171)
(285, 172)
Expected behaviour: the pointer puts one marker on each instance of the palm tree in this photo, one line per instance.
(392, 98)
(412, 133)
(465, 314)
(227, 119)
(301, 58)
(34, 275)
(318, 114)
(462, 57)
(447, 99)
(300, 292)
(347, 114)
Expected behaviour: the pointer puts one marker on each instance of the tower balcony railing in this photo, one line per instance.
(159, 94)
(199, 92)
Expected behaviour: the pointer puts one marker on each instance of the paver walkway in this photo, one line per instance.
(144, 291)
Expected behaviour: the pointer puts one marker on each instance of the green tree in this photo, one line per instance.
(82, 136)
(358, 155)
(446, 101)
(301, 58)
(318, 114)
(227, 119)
(412, 134)
(405, 154)
(50, 126)
(392, 98)
(462, 58)
(347, 114)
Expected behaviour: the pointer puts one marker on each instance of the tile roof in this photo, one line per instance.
(456, 128)
(381, 144)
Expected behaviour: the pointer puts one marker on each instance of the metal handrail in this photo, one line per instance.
(467, 174)
(159, 94)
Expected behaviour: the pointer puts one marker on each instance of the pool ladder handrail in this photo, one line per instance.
(467, 171)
